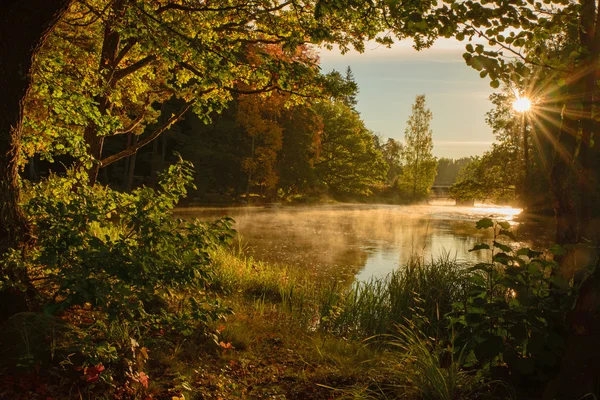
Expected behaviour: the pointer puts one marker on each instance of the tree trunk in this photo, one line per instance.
(24, 27)
(107, 67)
(580, 371)
(562, 180)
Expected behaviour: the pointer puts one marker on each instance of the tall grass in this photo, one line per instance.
(406, 312)
(292, 290)
(361, 310)
(376, 306)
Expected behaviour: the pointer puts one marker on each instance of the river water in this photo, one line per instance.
(348, 240)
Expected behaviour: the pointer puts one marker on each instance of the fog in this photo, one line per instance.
(344, 241)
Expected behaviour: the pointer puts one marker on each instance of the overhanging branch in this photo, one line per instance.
(123, 72)
(133, 149)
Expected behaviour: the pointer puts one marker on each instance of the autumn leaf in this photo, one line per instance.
(144, 378)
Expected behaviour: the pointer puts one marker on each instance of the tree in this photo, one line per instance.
(302, 130)
(342, 88)
(392, 151)
(509, 128)
(259, 118)
(420, 165)
(22, 32)
(485, 178)
(348, 162)
(448, 169)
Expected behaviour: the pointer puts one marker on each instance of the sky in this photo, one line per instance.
(390, 79)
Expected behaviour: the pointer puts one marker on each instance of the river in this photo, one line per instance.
(356, 240)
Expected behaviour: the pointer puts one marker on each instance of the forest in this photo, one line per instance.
(118, 114)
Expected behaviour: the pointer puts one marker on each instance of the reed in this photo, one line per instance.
(376, 306)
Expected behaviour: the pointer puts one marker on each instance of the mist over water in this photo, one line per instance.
(349, 240)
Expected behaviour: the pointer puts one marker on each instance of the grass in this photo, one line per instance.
(377, 306)
(292, 337)
(325, 326)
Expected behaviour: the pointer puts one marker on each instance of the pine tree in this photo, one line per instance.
(420, 165)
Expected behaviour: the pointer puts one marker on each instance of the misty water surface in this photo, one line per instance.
(341, 241)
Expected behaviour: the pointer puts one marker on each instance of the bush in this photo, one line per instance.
(513, 322)
(119, 267)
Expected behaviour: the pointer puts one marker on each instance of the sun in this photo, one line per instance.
(521, 104)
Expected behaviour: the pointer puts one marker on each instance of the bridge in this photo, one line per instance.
(442, 192)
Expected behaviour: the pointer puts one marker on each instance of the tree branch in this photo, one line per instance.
(180, 7)
(133, 125)
(123, 72)
(133, 149)
(123, 52)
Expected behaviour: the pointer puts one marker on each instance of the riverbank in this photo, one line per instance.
(293, 337)
(288, 335)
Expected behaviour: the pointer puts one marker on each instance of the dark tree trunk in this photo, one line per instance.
(562, 180)
(107, 67)
(24, 26)
(580, 371)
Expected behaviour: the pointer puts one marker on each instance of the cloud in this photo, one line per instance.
(443, 51)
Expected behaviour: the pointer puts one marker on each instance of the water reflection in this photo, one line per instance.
(343, 241)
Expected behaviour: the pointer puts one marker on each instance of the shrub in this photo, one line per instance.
(120, 268)
(513, 320)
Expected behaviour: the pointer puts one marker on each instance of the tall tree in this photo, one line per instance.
(348, 161)
(23, 29)
(302, 130)
(420, 165)
(259, 119)
(392, 151)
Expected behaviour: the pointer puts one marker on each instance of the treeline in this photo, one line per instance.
(256, 117)
(268, 148)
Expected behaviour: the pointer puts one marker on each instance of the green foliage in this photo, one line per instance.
(376, 306)
(448, 169)
(419, 164)
(133, 55)
(116, 253)
(515, 313)
(485, 178)
(348, 162)
(392, 151)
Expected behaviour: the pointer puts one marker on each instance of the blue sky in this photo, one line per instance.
(389, 80)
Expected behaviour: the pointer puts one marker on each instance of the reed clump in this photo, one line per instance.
(377, 306)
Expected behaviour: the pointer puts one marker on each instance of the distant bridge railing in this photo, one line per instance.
(440, 192)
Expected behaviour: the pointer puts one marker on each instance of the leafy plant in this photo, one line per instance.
(120, 272)
(513, 320)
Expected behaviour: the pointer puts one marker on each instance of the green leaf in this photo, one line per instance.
(484, 223)
(502, 258)
(503, 247)
(480, 246)
(508, 234)
(504, 224)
